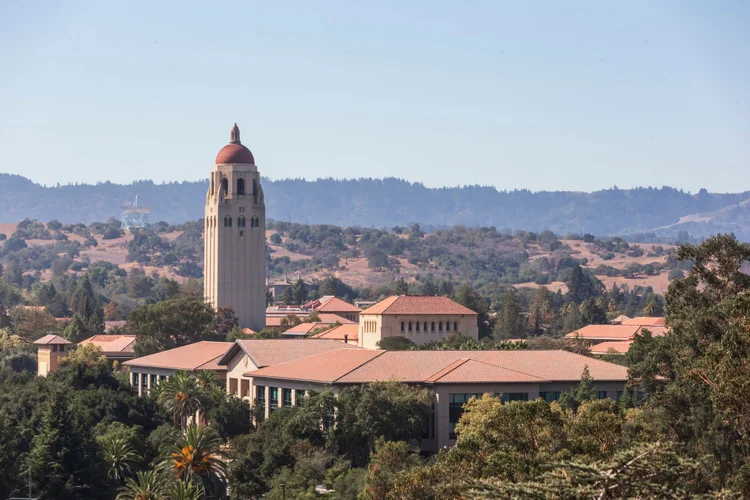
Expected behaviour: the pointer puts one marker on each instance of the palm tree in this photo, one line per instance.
(147, 485)
(120, 457)
(181, 396)
(184, 490)
(197, 455)
(206, 378)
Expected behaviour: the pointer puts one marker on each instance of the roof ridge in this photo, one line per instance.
(358, 366)
(446, 369)
(509, 369)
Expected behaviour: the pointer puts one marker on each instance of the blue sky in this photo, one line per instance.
(550, 96)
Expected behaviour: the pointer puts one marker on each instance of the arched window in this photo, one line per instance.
(432, 327)
(241, 186)
(440, 326)
(447, 326)
(229, 221)
(257, 222)
(455, 326)
(255, 191)
(425, 326)
(224, 186)
(409, 325)
(417, 325)
(240, 222)
(402, 326)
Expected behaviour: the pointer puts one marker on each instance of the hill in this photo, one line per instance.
(383, 203)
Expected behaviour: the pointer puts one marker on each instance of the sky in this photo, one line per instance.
(518, 95)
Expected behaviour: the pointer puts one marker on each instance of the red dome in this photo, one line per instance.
(235, 153)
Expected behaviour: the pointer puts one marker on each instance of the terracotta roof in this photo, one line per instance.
(273, 321)
(608, 347)
(198, 356)
(235, 153)
(269, 352)
(52, 339)
(339, 332)
(335, 305)
(644, 321)
(305, 328)
(418, 304)
(618, 320)
(113, 344)
(604, 332)
(334, 318)
(444, 367)
(614, 332)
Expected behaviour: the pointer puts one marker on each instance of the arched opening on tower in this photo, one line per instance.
(240, 186)
(224, 186)
(255, 191)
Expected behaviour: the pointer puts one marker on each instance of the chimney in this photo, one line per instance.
(346, 339)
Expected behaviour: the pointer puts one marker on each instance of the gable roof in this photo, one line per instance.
(113, 344)
(645, 321)
(351, 332)
(334, 305)
(418, 304)
(52, 339)
(270, 352)
(197, 356)
(443, 367)
(305, 328)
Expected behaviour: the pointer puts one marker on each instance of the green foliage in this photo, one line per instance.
(396, 343)
(387, 460)
(231, 417)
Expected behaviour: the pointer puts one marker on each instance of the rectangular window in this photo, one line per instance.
(447, 326)
(550, 396)
(440, 326)
(260, 395)
(287, 397)
(456, 409)
(619, 395)
(274, 396)
(54, 347)
(133, 379)
(153, 380)
(514, 396)
(417, 325)
(300, 395)
(601, 394)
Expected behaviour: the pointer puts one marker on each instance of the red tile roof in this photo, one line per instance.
(305, 328)
(612, 347)
(113, 344)
(443, 367)
(614, 332)
(52, 339)
(339, 332)
(198, 356)
(418, 304)
(270, 352)
(645, 321)
(334, 318)
(335, 305)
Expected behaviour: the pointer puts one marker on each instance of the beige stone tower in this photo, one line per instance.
(235, 236)
(52, 348)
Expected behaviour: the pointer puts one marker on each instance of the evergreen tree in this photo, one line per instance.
(76, 330)
(509, 322)
(95, 324)
(83, 300)
(300, 291)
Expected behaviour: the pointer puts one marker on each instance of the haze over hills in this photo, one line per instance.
(389, 202)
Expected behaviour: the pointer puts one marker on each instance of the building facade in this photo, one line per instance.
(419, 318)
(235, 235)
(51, 349)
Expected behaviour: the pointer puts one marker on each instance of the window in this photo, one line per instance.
(241, 221)
(550, 396)
(224, 186)
(286, 395)
(255, 191)
(409, 325)
(447, 326)
(456, 409)
(241, 186)
(274, 397)
(242, 234)
(601, 394)
(514, 396)
(133, 379)
(241, 210)
(417, 325)
(54, 347)
(455, 326)
(619, 395)
(433, 327)
(440, 326)
(300, 395)
(153, 380)
(425, 326)
(402, 326)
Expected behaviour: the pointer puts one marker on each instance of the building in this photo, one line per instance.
(453, 376)
(235, 235)
(52, 348)
(348, 334)
(333, 305)
(248, 355)
(114, 347)
(611, 348)
(304, 329)
(147, 371)
(645, 321)
(419, 318)
(613, 333)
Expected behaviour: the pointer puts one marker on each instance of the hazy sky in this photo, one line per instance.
(555, 95)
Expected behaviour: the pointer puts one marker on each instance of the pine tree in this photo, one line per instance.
(509, 322)
(83, 300)
(76, 331)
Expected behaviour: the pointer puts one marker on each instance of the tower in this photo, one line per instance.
(235, 236)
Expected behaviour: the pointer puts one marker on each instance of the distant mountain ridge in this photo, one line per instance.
(390, 202)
